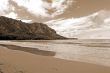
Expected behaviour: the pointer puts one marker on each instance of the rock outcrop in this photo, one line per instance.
(11, 29)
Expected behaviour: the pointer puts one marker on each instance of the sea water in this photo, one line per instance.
(89, 51)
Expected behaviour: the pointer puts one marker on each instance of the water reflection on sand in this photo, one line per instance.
(90, 51)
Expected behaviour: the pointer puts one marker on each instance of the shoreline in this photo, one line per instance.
(25, 62)
(30, 50)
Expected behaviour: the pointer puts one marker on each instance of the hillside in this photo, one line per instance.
(11, 29)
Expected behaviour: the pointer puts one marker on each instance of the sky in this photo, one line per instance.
(86, 7)
(44, 10)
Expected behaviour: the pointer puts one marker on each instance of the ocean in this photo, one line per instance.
(95, 51)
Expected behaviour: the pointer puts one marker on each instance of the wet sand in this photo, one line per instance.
(30, 50)
(95, 51)
(19, 61)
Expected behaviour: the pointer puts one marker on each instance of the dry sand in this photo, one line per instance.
(16, 61)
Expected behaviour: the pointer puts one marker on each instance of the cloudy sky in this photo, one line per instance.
(44, 10)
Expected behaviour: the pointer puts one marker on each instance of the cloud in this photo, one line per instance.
(3, 6)
(46, 8)
(12, 15)
(34, 9)
(60, 6)
(33, 6)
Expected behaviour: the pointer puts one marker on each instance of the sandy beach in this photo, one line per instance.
(54, 36)
(22, 61)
